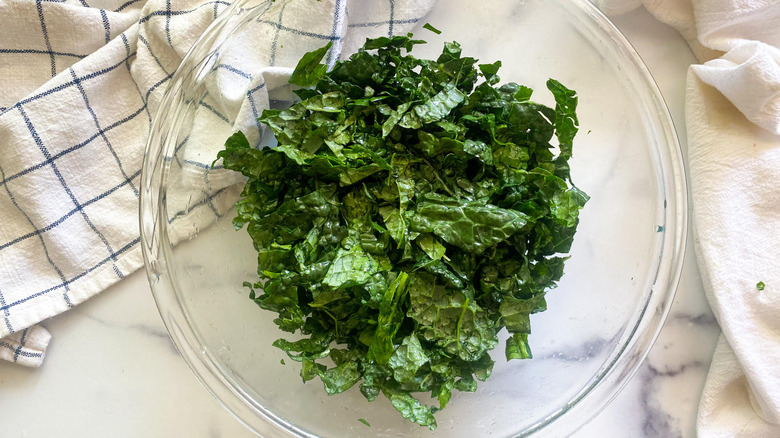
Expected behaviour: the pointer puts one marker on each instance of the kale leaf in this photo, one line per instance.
(411, 211)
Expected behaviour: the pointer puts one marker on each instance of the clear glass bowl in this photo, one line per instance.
(601, 320)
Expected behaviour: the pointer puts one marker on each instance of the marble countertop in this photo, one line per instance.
(111, 369)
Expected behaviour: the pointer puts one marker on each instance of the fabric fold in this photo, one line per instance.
(26, 347)
(749, 76)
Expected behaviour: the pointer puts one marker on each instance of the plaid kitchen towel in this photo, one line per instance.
(80, 81)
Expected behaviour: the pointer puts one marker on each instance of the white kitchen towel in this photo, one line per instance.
(733, 121)
(736, 217)
(80, 81)
(26, 347)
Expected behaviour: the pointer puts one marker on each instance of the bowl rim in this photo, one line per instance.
(583, 407)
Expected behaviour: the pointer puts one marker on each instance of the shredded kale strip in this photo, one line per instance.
(412, 209)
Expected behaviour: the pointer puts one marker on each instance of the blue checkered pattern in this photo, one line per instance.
(25, 347)
(80, 83)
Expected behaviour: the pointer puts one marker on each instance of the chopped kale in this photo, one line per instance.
(412, 209)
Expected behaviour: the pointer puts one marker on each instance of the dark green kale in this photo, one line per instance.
(411, 211)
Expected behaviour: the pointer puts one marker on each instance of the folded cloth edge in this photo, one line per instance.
(26, 347)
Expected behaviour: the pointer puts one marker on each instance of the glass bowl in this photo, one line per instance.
(601, 320)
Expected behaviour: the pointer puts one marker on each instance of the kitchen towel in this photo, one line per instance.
(80, 81)
(733, 121)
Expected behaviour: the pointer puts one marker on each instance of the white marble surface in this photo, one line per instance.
(112, 371)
